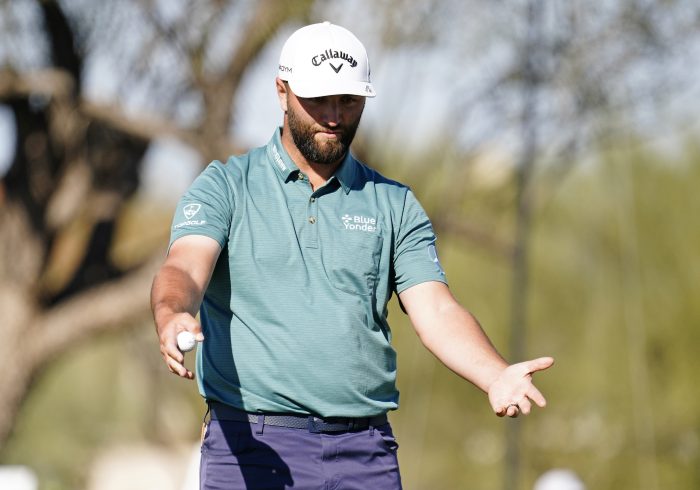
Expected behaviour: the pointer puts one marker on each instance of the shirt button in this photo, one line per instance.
(313, 199)
(312, 219)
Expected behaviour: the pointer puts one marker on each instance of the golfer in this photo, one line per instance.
(290, 254)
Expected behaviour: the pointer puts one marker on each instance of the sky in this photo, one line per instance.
(257, 114)
(427, 76)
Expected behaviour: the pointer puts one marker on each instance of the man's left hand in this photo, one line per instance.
(512, 393)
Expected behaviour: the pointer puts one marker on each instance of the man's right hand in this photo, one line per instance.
(177, 293)
(167, 333)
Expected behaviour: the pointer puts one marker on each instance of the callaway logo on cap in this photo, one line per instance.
(325, 59)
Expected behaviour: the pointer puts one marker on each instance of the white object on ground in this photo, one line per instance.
(559, 479)
(18, 478)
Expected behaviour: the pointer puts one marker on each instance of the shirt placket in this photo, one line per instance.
(312, 213)
(309, 226)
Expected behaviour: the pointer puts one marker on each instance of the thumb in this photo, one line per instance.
(539, 364)
(196, 329)
(190, 323)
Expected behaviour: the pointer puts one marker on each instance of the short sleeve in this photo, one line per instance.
(415, 255)
(206, 208)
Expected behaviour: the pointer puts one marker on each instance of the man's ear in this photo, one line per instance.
(281, 88)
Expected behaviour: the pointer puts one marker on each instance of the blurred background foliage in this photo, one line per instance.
(553, 143)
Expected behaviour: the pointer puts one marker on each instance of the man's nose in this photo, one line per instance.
(332, 112)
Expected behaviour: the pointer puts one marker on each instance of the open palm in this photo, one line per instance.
(513, 391)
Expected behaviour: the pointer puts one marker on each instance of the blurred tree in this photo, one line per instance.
(558, 79)
(77, 162)
(475, 70)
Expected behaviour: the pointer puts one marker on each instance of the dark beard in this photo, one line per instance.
(331, 152)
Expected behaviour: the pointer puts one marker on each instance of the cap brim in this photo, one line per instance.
(321, 88)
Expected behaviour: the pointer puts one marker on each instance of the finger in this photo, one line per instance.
(502, 408)
(536, 396)
(179, 369)
(512, 411)
(525, 406)
(188, 374)
(193, 327)
(198, 336)
(538, 364)
(170, 350)
(196, 329)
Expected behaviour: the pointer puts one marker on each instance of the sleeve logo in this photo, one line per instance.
(190, 210)
(432, 251)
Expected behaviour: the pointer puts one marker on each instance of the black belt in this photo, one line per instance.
(220, 411)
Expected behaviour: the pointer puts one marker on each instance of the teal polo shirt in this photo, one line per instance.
(295, 314)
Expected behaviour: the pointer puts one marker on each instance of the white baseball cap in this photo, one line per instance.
(325, 59)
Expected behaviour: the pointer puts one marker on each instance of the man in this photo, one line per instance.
(290, 253)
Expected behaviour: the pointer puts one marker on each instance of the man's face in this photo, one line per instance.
(322, 128)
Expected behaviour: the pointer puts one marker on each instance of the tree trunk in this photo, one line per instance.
(76, 164)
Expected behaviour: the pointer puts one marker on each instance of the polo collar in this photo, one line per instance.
(279, 158)
(287, 169)
(346, 172)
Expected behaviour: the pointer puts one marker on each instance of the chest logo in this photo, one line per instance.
(190, 210)
(359, 223)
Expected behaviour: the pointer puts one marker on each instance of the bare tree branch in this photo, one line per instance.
(99, 309)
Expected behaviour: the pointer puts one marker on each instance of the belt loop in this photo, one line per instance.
(203, 432)
(260, 426)
(312, 425)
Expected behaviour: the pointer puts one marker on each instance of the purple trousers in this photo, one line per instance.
(246, 456)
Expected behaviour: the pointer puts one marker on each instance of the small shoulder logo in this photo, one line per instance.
(432, 251)
(278, 159)
(190, 210)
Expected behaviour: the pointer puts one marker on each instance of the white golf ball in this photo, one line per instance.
(186, 341)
